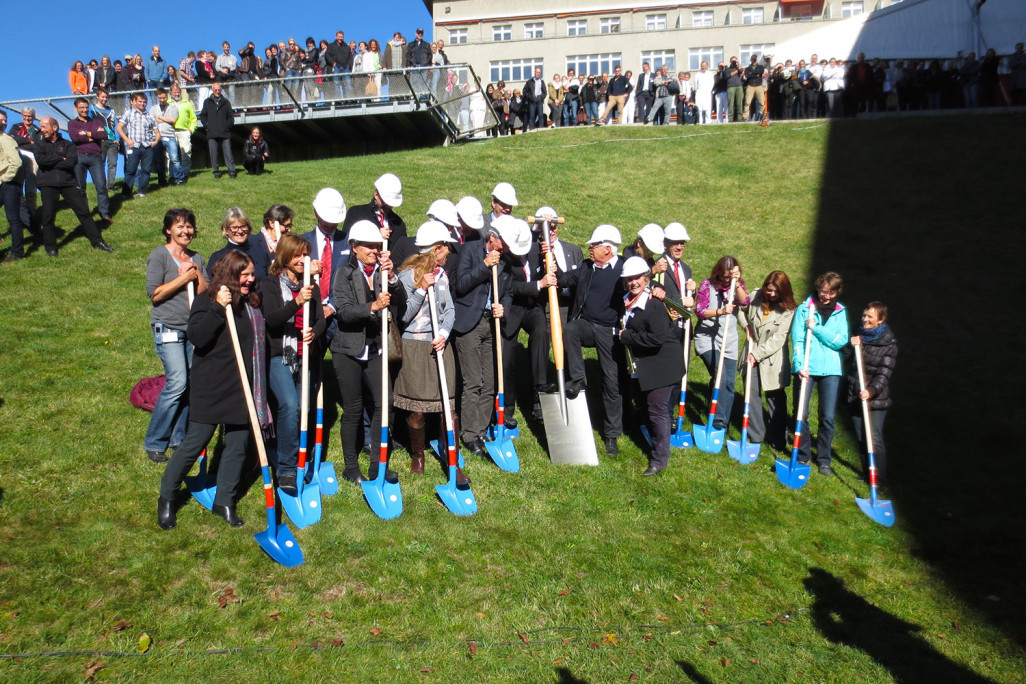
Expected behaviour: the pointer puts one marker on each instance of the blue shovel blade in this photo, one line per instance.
(325, 476)
(743, 452)
(459, 500)
(708, 438)
(202, 487)
(681, 438)
(304, 509)
(277, 541)
(384, 498)
(502, 451)
(512, 434)
(881, 512)
(793, 474)
(437, 448)
(644, 433)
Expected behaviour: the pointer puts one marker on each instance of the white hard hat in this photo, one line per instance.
(514, 232)
(505, 193)
(652, 236)
(431, 233)
(634, 266)
(606, 233)
(470, 210)
(445, 211)
(390, 189)
(543, 213)
(329, 205)
(365, 231)
(675, 232)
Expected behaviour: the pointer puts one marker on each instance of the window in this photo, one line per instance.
(512, 70)
(502, 32)
(800, 12)
(851, 9)
(609, 25)
(657, 58)
(752, 15)
(745, 56)
(593, 65)
(655, 22)
(535, 30)
(703, 18)
(577, 27)
(457, 36)
(712, 55)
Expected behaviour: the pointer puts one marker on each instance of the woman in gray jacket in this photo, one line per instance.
(768, 318)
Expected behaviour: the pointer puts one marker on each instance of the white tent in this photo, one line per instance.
(916, 29)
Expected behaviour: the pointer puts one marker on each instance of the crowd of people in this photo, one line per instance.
(374, 283)
(738, 92)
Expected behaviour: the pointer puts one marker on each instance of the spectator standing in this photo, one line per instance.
(755, 89)
(77, 79)
(204, 75)
(139, 131)
(735, 90)
(833, 88)
(187, 70)
(418, 52)
(663, 97)
(1017, 65)
(24, 134)
(970, 76)
(572, 101)
(106, 75)
(619, 89)
(534, 96)
(557, 95)
(337, 58)
(11, 177)
(720, 95)
(248, 63)
(226, 64)
(589, 99)
(185, 126)
(87, 133)
(57, 158)
(685, 94)
(255, 152)
(645, 91)
(101, 109)
(880, 349)
(166, 156)
(217, 118)
(156, 69)
(705, 81)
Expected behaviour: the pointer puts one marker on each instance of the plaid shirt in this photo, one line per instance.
(140, 127)
(185, 69)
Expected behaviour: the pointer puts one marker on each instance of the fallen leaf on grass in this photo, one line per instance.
(594, 613)
(633, 677)
(144, 643)
(328, 614)
(314, 645)
(523, 637)
(479, 615)
(13, 614)
(609, 640)
(677, 597)
(724, 661)
(228, 596)
(713, 643)
(274, 614)
(473, 650)
(123, 625)
(663, 618)
(338, 643)
(558, 660)
(941, 635)
(818, 545)
(593, 645)
(566, 591)
(753, 660)
(376, 631)
(631, 502)
(836, 502)
(648, 637)
(426, 669)
(92, 669)
(274, 595)
(566, 641)
(955, 624)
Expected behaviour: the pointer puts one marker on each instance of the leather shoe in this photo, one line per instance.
(166, 515)
(390, 475)
(612, 448)
(417, 464)
(461, 479)
(51, 251)
(227, 513)
(538, 415)
(510, 423)
(476, 446)
(103, 247)
(652, 470)
(287, 484)
(574, 387)
(157, 456)
(354, 476)
(108, 220)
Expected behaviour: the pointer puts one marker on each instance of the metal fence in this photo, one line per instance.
(452, 94)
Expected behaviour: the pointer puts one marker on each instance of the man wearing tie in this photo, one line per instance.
(534, 93)
(388, 194)
(328, 244)
(645, 92)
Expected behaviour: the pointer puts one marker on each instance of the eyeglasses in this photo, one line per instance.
(238, 228)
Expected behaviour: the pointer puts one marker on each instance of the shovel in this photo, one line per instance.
(202, 487)
(277, 541)
(743, 452)
(384, 497)
(681, 438)
(501, 448)
(709, 438)
(878, 510)
(303, 509)
(792, 473)
(458, 499)
(568, 432)
(323, 472)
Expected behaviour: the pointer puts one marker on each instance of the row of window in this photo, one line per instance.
(514, 70)
(653, 22)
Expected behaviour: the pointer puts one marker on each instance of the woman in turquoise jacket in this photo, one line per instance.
(826, 331)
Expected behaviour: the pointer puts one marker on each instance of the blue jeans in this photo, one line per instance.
(94, 164)
(171, 412)
(138, 161)
(829, 386)
(725, 402)
(286, 387)
(570, 112)
(174, 159)
(591, 110)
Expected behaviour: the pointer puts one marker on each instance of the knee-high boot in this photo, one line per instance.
(416, 443)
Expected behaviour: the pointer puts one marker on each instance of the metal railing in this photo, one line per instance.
(451, 94)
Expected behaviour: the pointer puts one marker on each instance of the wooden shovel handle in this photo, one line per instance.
(254, 422)
(536, 219)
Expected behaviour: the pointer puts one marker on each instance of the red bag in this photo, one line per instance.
(144, 394)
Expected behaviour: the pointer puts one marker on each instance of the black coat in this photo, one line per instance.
(217, 117)
(356, 322)
(366, 212)
(278, 311)
(655, 346)
(878, 358)
(337, 55)
(526, 294)
(257, 251)
(56, 161)
(215, 390)
(580, 278)
(473, 281)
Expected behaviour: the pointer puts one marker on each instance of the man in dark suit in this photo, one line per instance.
(534, 93)
(645, 92)
(388, 194)
(328, 244)
(567, 257)
(476, 307)
(594, 317)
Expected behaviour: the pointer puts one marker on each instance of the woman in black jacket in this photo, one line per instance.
(656, 355)
(215, 389)
(282, 299)
(879, 353)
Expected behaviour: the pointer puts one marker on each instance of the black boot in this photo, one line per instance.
(416, 446)
(228, 514)
(167, 517)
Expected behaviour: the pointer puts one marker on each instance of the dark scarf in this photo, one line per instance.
(872, 335)
(256, 319)
(291, 350)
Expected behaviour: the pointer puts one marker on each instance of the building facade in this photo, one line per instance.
(506, 41)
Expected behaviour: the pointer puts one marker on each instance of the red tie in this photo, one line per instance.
(676, 275)
(326, 269)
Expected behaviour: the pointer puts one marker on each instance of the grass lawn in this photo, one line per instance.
(711, 572)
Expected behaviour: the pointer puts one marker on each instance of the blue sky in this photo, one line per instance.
(43, 41)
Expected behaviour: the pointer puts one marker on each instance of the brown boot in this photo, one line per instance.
(416, 445)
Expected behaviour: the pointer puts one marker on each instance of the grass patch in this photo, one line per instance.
(713, 570)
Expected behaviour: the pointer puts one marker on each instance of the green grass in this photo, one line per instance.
(713, 570)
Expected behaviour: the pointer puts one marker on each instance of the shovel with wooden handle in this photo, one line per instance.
(743, 452)
(202, 486)
(792, 473)
(709, 438)
(501, 448)
(878, 510)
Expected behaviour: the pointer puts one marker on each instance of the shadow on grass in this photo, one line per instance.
(692, 673)
(931, 223)
(565, 676)
(846, 618)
